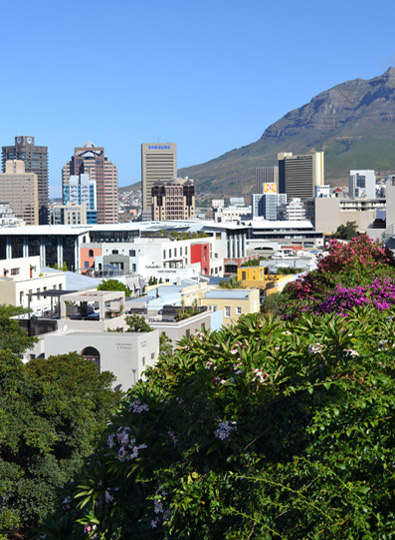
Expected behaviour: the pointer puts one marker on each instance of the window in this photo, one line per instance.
(175, 252)
(152, 356)
(90, 254)
(134, 268)
(60, 286)
(38, 294)
(244, 275)
(143, 360)
(14, 271)
(115, 252)
(132, 252)
(164, 254)
(86, 264)
(238, 311)
(227, 311)
(187, 332)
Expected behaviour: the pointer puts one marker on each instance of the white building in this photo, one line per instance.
(232, 214)
(146, 255)
(22, 279)
(86, 319)
(294, 211)
(362, 184)
(8, 218)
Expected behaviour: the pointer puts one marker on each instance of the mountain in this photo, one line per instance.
(353, 122)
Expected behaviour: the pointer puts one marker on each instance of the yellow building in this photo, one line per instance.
(252, 276)
(233, 303)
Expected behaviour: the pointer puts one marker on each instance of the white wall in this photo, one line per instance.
(124, 354)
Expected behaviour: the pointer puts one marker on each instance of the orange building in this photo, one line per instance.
(87, 257)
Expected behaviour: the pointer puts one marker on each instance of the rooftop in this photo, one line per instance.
(240, 294)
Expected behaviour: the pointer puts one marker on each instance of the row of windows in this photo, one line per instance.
(175, 252)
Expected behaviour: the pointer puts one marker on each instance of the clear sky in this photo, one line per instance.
(208, 75)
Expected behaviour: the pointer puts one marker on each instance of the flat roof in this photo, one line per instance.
(241, 294)
(257, 224)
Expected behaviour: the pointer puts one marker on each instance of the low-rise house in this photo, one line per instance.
(232, 302)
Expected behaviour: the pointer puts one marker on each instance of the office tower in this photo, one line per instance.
(173, 200)
(298, 175)
(158, 163)
(266, 175)
(266, 205)
(90, 159)
(20, 190)
(36, 161)
(362, 184)
(80, 189)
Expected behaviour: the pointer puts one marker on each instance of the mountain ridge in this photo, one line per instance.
(353, 122)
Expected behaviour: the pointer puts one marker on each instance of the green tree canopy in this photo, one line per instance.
(137, 323)
(52, 412)
(114, 285)
(347, 231)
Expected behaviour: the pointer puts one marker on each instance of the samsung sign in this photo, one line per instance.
(159, 147)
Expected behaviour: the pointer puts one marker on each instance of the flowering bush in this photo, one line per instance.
(268, 429)
(352, 274)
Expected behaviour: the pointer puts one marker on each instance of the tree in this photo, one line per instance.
(268, 429)
(114, 285)
(137, 323)
(12, 336)
(165, 345)
(347, 231)
(231, 283)
(52, 413)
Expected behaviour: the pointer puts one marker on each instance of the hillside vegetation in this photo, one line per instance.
(354, 123)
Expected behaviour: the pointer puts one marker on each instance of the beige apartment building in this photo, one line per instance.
(331, 212)
(91, 159)
(173, 200)
(20, 190)
(158, 162)
(69, 214)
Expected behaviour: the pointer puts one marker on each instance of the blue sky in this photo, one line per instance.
(208, 75)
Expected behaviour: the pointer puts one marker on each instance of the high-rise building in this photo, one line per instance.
(20, 190)
(90, 159)
(298, 175)
(158, 163)
(362, 184)
(266, 175)
(36, 161)
(80, 189)
(173, 200)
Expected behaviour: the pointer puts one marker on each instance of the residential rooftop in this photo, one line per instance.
(239, 294)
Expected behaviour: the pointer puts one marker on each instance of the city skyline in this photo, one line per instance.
(226, 85)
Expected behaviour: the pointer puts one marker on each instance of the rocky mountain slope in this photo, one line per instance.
(353, 122)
